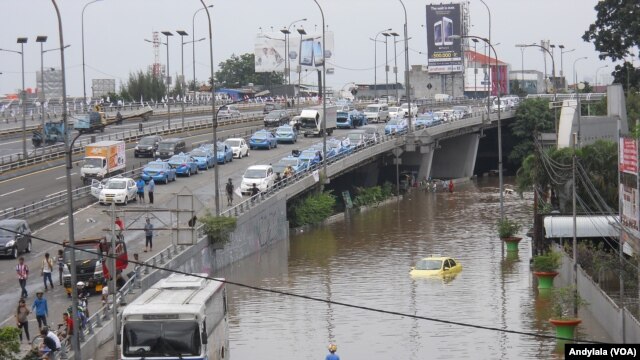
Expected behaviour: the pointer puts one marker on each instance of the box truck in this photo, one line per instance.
(102, 160)
(311, 120)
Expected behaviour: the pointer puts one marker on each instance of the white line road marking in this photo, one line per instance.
(62, 177)
(11, 192)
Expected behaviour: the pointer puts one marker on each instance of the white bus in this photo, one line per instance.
(180, 317)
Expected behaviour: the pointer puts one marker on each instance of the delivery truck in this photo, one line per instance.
(102, 160)
(311, 120)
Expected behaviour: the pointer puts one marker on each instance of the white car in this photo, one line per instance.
(405, 109)
(261, 175)
(238, 146)
(118, 190)
(228, 111)
(393, 111)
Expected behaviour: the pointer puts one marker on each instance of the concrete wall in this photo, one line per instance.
(452, 84)
(455, 157)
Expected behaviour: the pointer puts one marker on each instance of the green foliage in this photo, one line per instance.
(9, 342)
(565, 300)
(616, 30)
(143, 85)
(218, 228)
(532, 116)
(372, 195)
(239, 71)
(508, 228)
(601, 263)
(548, 262)
(587, 88)
(313, 209)
(516, 90)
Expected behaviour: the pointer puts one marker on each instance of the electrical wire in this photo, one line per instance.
(331, 302)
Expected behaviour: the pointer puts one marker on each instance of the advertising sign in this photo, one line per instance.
(310, 49)
(629, 197)
(269, 52)
(628, 156)
(476, 79)
(443, 51)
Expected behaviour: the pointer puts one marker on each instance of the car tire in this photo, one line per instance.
(28, 249)
(247, 155)
(126, 200)
(14, 253)
(166, 180)
(189, 173)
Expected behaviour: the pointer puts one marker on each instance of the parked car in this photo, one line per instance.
(371, 133)
(117, 190)
(436, 266)
(394, 111)
(184, 164)
(238, 146)
(169, 147)
(276, 118)
(268, 107)
(147, 146)
(351, 119)
(427, 120)
(377, 112)
(262, 139)
(404, 109)
(308, 157)
(337, 147)
(396, 126)
(225, 154)
(357, 138)
(296, 164)
(15, 237)
(203, 157)
(159, 171)
(464, 110)
(228, 112)
(261, 175)
(286, 133)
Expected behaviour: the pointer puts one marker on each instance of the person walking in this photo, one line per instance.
(332, 353)
(60, 261)
(148, 234)
(41, 309)
(450, 185)
(140, 184)
(152, 188)
(230, 189)
(46, 270)
(21, 318)
(23, 273)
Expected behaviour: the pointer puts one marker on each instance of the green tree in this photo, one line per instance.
(516, 90)
(587, 88)
(627, 75)
(616, 29)
(143, 85)
(9, 342)
(239, 71)
(532, 116)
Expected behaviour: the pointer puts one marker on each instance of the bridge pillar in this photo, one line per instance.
(455, 158)
(422, 158)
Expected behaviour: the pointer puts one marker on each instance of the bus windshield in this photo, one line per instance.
(161, 339)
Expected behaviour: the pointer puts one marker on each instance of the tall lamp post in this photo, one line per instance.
(598, 69)
(575, 87)
(193, 34)
(75, 338)
(168, 79)
(562, 52)
(499, 121)
(395, 62)
(489, 66)
(324, 97)
(375, 61)
(84, 81)
(386, 63)
(213, 112)
(553, 64)
(302, 32)
(41, 39)
(406, 66)
(22, 41)
(182, 34)
(287, 48)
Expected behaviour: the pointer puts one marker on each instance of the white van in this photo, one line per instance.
(377, 112)
(442, 97)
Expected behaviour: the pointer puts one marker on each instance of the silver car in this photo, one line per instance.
(15, 237)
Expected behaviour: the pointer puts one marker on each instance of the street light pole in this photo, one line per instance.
(84, 81)
(168, 79)
(182, 34)
(287, 32)
(578, 108)
(598, 69)
(375, 62)
(22, 41)
(193, 34)
(395, 63)
(41, 39)
(213, 112)
(299, 67)
(489, 66)
(562, 52)
(75, 338)
(386, 64)
(406, 66)
(324, 98)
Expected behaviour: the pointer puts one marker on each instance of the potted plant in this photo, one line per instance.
(565, 302)
(544, 268)
(217, 229)
(507, 229)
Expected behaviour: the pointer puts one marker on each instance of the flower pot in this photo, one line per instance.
(512, 242)
(565, 328)
(545, 279)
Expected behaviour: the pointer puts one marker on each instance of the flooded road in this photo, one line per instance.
(365, 261)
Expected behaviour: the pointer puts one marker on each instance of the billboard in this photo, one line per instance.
(629, 197)
(310, 49)
(269, 52)
(443, 51)
(477, 79)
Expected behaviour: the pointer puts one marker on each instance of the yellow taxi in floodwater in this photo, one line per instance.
(436, 266)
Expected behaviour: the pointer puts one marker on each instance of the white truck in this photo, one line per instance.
(311, 120)
(102, 160)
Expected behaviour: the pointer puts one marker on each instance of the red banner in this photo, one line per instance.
(628, 156)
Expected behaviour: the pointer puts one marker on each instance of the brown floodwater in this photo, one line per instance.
(364, 260)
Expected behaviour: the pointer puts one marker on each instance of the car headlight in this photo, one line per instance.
(136, 147)
(10, 243)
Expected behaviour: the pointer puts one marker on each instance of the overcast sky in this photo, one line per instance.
(115, 31)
